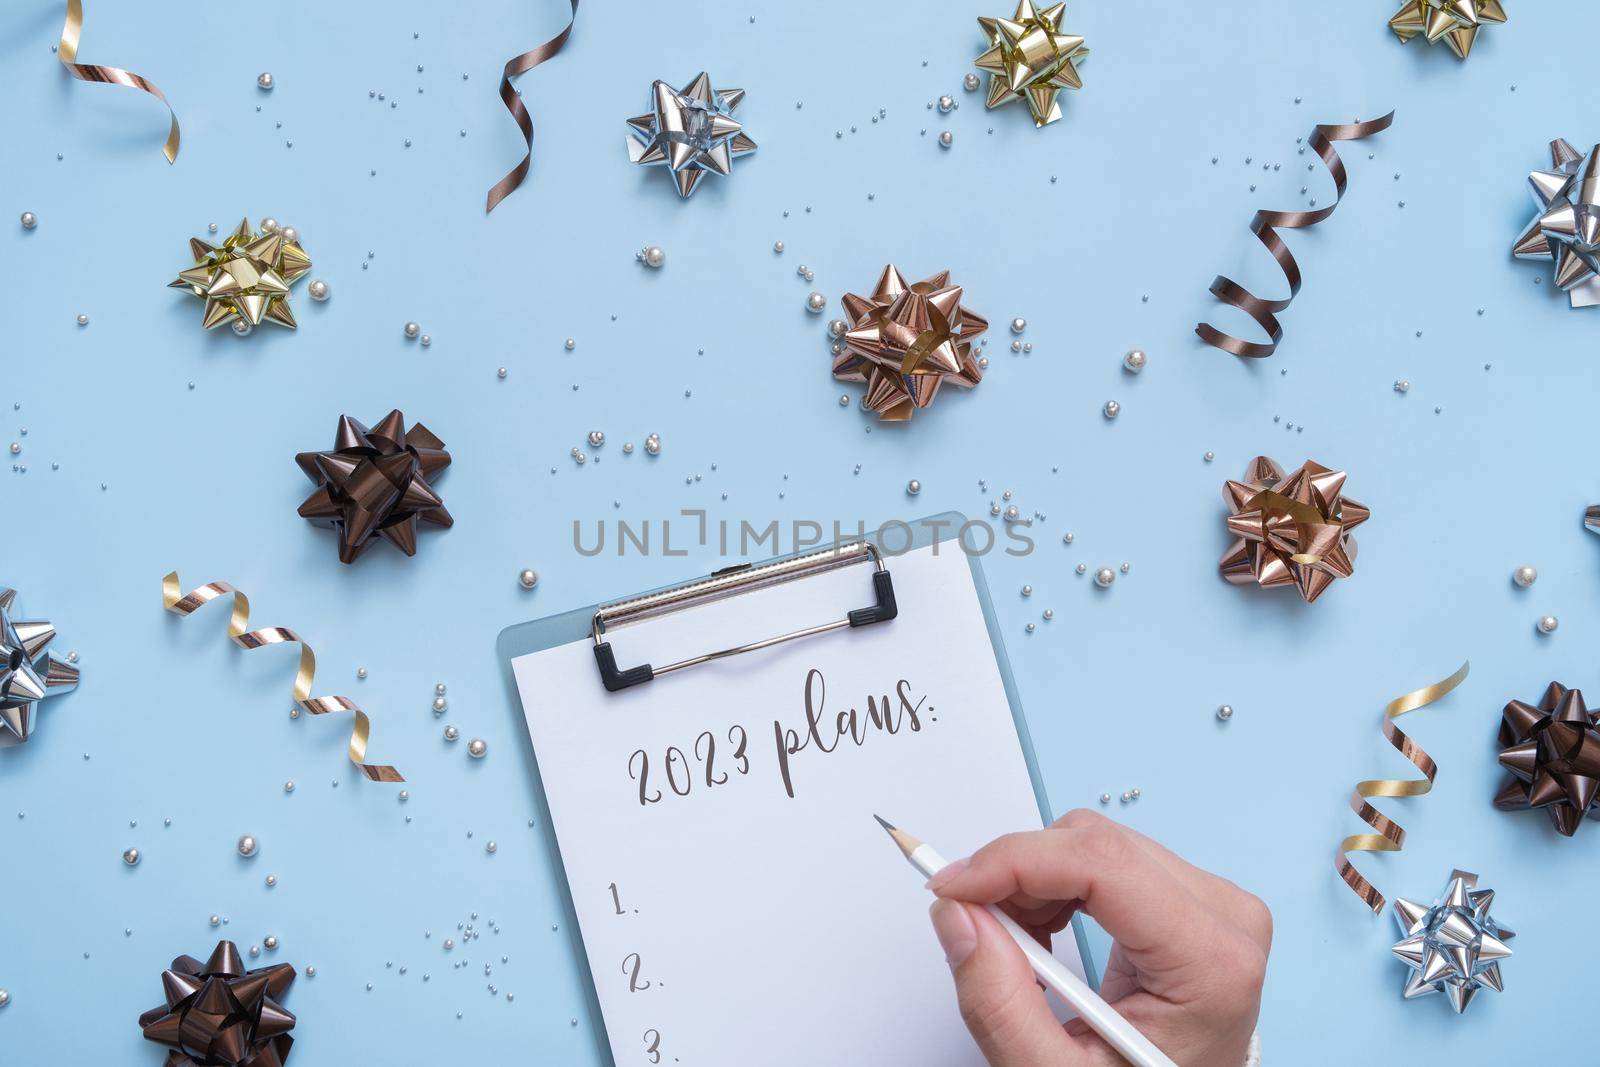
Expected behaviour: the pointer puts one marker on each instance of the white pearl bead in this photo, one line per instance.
(318, 289)
(269, 225)
(1105, 798)
(1018, 325)
(777, 247)
(451, 733)
(970, 82)
(265, 80)
(412, 329)
(290, 234)
(572, 343)
(1548, 624)
(29, 220)
(1402, 386)
(816, 302)
(425, 340)
(501, 372)
(652, 444)
(247, 845)
(477, 748)
(1027, 590)
(1134, 361)
(439, 705)
(1225, 712)
(288, 787)
(216, 920)
(271, 880)
(83, 320)
(1104, 577)
(529, 578)
(492, 848)
(131, 857)
(1112, 409)
(653, 256)
(1525, 576)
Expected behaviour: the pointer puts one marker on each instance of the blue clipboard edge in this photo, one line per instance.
(568, 626)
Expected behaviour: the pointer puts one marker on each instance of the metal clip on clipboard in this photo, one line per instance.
(730, 582)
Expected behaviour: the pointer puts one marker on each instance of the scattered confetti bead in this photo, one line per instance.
(1225, 712)
(1548, 624)
(1525, 576)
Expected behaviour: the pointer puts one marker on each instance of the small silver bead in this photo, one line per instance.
(1134, 792)
(528, 578)
(270, 942)
(439, 705)
(1027, 590)
(1134, 361)
(318, 289)
(1126, 796)
(29, 220)
(651, 256)
(1525, 576)
(838, 327)
(405, 795)
(1013, 513)
(1104, 577)
(1105, 798)
(1124, 568)
(83, 320)
(627, 450)
(477, 748)
(572, 342)
(425, 340)
(271, 880)
(265, 80)
(777, 247)
(243, 327)
(269, 225)
(438, 689)
(1401, 385)
(451, 733)
(1066, 538)
(449, 943)
(1209, 456)
(1082, 568)
(1112, 409)
(913, 487)
(652, 444)
(1548, 624)
(247, 845)
(255, 951)
(216, 920)
(946, 138)
(290, 234)
(1019, 324)
(131, 857)
(970, 82)
(947, 103)
(288, 787)
(311, 972)
(491, 848)
(412, 330)
(1049, 614)
(596, 438)
(361, 672)
(816, 302)
(501, 372)
(1225, 712)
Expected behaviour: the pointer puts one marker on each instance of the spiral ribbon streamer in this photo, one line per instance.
(515, 66)
(181, 603)
(1233, 294)
(67, 52)
(1390, 836)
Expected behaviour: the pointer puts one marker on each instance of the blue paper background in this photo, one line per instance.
(1121, 687)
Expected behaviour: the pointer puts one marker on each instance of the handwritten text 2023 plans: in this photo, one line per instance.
(885, 715)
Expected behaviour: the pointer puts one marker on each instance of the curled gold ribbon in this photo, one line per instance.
(1390, 836)
(67, 52)
(180, 603)
(1233, 294)
(515, 66)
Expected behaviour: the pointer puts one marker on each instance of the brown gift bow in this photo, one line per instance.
(1292, 530)
(239, 632)
(1553, 754)
(67, 53)
(513, 101)
(374, 484)
(218, 1014)
(1233, 294)
(906, 340)
(1390, 836)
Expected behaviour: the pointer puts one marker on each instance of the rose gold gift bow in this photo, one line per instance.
(1233, 294)
(515, 66)
(67, 52)
(181, 603)
(1390, 836)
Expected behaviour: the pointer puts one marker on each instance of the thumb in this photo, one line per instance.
(1001, 1003)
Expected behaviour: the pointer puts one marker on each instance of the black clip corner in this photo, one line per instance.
(885, 609)
(616, 680)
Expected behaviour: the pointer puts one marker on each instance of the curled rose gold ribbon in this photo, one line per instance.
(1390, 836)
(521, 65)
(67, 52)
(1264, 312)
(180, 603)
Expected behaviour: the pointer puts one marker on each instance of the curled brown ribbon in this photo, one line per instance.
(1264, 312)
(515, 66)
(67, 52)
(180, 603)
(1390, 836)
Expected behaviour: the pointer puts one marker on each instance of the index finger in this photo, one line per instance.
(1137, 899)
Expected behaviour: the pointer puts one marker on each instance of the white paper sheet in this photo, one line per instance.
(734, 923)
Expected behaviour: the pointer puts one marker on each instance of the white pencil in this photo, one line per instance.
(1100, 1016)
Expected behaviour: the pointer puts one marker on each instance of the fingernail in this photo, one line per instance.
(957, 935)
(946, 874)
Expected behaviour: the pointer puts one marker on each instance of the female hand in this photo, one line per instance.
(1186, 970)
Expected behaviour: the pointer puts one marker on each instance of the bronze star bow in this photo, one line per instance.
(1292, 530)
(374, 483)
(247, 277)
(1456, 21)
(1029, 58)
(1553, 754)
(218, 1014)
(905, 341)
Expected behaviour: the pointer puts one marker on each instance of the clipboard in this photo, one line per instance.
(602, 625)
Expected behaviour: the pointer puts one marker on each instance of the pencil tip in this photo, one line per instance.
(884, 823)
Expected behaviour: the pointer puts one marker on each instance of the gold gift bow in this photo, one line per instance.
(67, 52)
(1233, 294)
(521, 65)
(180, 603)
(1390, 836)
